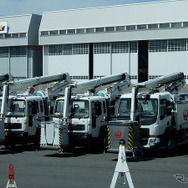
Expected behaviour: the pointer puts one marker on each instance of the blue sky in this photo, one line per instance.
(19, 7)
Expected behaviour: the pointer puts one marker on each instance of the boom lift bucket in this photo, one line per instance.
(126, 130)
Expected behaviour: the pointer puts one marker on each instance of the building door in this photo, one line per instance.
(142, 61)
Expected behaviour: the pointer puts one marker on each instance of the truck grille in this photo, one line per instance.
(79, 127)
(13, 125)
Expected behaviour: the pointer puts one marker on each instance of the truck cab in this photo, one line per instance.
(154, 115)
(21, 122)
(153, 112)
(88, 118)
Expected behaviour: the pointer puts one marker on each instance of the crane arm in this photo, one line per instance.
(95, 83)
(115, 90)
(32, 82)
(58, 87)
(167, 81)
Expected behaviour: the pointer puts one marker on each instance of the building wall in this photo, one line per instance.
(166, 63)
(18, 67)
(167, 56)
(108, 58)
(4, 64)
(114, 35)
(16, 57)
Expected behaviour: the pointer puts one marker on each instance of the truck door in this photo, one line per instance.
(165, 115)
(33, 110)
(97, 117)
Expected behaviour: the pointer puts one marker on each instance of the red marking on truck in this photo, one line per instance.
(185, 114)
(118, 134)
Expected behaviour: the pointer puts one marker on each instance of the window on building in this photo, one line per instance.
(22, 35)
(55, 32)
(140, 27)
(177, 45)
(185, 24)
(63, 32)
(80, 31)
(109, 29)
(18, 51)
(120, 28)
(101, 48)
(7, 35)
(15, 35)
(130, 27)
(90, 30)
(176, 25)
(4, 51)
(120, 47)
(71, 31)
(158, 46)
(79, 77)
(167, 45)
(55, 50)
(153, 26)
(100, 29)
(133, 47)
(43, 33)
(80, 49)
(67, 49)
(164, 25)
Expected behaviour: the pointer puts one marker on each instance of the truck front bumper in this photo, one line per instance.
(81, 139)
(16, 137)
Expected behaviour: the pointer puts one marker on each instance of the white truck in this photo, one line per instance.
(162, 115)
(21, 111)
(81, 120)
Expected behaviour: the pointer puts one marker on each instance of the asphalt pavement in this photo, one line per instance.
(87, 169)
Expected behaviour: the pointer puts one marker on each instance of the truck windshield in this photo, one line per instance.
(79, 109)
(147, 111)
(16, 108)
(124, 109)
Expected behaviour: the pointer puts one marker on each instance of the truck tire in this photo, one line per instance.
(171, 147)
(102, 141)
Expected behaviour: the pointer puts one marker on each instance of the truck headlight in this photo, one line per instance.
(153, 141)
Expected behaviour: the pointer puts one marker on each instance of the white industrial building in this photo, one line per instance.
(146, 40)
(20, 54)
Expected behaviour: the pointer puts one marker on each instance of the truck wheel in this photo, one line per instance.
(102, 141)
(7, 146)
(12, 146)
(171, 147)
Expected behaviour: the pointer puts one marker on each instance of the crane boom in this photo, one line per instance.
(163, 80)
(32, 82)
(95, 83)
